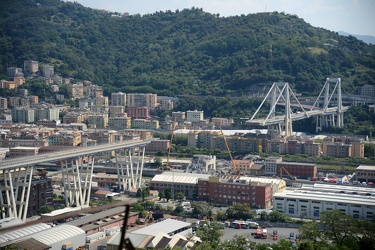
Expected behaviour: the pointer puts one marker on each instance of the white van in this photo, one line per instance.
(253, 224)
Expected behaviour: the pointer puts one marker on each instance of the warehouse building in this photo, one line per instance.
(187, 183)
(365, 173)
(309, 203)
(54, 238)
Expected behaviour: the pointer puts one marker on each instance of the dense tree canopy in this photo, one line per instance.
(182, 52)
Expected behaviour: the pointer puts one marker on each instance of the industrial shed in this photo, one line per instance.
(13, 236)
(61, 236)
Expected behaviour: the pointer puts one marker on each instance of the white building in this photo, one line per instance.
(194, 116)
(270, 165)
(49, 114)
(48, 70)
(310, 204)
(118, 99)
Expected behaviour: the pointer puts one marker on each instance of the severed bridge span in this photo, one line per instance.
(327, 108)
(16, 174)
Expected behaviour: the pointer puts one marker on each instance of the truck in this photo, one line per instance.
(264, 233)
(258, 234)
(252, 224)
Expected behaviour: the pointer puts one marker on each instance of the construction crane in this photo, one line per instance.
(235, 170)
(287, 172)
(167, 167)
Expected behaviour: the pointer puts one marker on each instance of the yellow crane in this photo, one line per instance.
(230, 154)
(287, 172)
(170, 145)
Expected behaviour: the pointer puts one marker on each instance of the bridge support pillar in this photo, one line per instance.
(15, 188)
(129, 164)
(274, 131)
(77, 181)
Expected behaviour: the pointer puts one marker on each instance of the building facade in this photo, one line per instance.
(232, 191)
(139, 100)
(118, 99)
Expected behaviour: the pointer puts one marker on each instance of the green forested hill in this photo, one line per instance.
(179, 52)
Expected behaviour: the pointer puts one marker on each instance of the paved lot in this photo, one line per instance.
(283, 233)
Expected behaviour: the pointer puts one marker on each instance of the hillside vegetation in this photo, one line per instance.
(180, 52)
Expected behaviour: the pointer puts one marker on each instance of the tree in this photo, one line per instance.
(45, 209)
(179, 209)
(161, 195)
(338, 227)
(179, 196)
(310, 231)
(239, 242)
(210, 234)
(137, 207)
(168, 193)
(158, 161)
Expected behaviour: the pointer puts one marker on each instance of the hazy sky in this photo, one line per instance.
(352, 16)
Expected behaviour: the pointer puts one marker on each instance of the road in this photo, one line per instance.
(283, 233)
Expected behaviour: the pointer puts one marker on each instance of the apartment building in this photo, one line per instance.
(138, 100)
(158, 146)
(194, 116)
(23, 151)
(48, 70)
(14, 71)
(140, 112)
(101, 101)
(232, 191)
(222, 122)
(270, 165)
(104, 136)
(119, 123)
(48, 114)
(65, 138)
(343, 147)
(366, 90)
(23, 115)
(30, 67)
(179, 117)
(117, 111)
(238, 144)
(143, 134)
(166, 104)
(34, 99)
(76, 90)
(118, 99)
(3, 103)
(244, 167)
(74, 117)
(97, 120)
(145, 124)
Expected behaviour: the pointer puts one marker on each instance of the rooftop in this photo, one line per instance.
(327, 197)
(167, 226)
(364, 167)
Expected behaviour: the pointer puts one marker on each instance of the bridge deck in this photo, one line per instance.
(70, 153)
(281, 118)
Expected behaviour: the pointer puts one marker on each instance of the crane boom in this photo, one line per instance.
(170, 144)
(230, 154)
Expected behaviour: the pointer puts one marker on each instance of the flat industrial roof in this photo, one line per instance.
(23, 232)
(58, 233)
(97, 216)
(366, 167)
(175, 177)
(338, 188)
(166, 226)
(327, 197)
